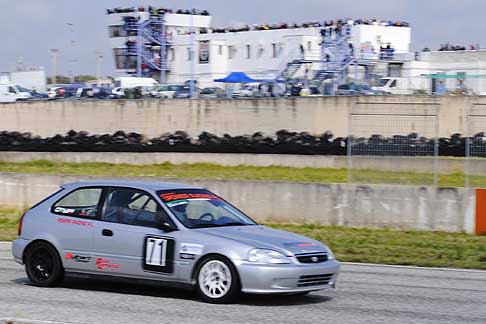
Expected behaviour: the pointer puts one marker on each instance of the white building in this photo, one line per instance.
(262, 52)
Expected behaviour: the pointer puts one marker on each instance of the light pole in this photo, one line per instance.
(54, 52)
(193, 52)
(99, 58)
(72, 43)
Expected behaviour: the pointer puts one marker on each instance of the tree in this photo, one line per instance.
(84, 78)
(61, 79)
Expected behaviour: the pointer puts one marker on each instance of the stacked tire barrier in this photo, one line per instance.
(282, 142)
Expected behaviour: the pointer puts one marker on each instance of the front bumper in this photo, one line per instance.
(18, 247)
(287, 278)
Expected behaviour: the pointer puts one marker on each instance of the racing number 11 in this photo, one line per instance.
(156, 251)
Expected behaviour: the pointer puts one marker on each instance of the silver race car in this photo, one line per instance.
(170, 233)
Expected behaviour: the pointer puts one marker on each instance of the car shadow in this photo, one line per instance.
(282, 300)
(128, 288)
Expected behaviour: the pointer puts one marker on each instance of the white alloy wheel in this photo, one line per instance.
(215, 279)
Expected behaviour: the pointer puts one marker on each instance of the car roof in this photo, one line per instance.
(138, 184)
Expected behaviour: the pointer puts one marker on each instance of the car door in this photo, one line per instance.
(73, 224)
(127, 239)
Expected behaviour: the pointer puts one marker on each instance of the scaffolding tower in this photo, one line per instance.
(150, 48)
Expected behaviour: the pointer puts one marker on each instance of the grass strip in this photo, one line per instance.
(213, 171)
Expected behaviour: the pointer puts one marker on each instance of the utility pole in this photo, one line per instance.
(54, 52)
(72, 43)
(193, 53)
(99, 58)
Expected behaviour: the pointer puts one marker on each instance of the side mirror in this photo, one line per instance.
(167, 227)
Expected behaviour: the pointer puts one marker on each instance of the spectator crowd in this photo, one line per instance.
(153, 10)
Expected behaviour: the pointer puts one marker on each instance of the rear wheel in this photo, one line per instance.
(43, 265)
(217, 281)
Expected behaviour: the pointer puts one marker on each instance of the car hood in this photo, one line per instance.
(267, 238)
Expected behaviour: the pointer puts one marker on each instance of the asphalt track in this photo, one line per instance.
(365, 294)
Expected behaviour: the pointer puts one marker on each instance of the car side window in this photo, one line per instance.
(79, 203)
(133, 207)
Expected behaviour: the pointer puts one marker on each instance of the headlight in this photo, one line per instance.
(267, 256)
(330, 255)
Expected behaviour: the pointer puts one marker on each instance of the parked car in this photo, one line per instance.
(13, 92)
(117, 93)
(212, 93)
(166, 91)
(184, 92)
(247, 91)
(169, 233)
(353, 89)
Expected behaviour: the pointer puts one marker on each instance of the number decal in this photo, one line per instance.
(158, 254)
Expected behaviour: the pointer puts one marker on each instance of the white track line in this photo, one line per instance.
(411, 267)
(29, 321)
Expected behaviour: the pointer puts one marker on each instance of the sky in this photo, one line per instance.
(30, 28)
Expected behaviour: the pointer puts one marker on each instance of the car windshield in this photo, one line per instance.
(22, 89)
(383, 82)
(208, 91)
(199, 208)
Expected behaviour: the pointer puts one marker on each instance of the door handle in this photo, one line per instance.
(107, 232)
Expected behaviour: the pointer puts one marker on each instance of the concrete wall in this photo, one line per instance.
(414, 164)
(235, 117)
(424, 208)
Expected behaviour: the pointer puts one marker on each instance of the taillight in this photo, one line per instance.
(20, 223)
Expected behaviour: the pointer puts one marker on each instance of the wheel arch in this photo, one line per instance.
(205, 257)
(24, 254)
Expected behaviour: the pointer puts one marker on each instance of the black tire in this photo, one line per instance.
(43, 265)
(234, 289)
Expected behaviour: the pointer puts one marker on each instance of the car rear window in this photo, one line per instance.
(79, 203)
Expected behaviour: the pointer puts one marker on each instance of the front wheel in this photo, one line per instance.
(217, 281)
(43, 265)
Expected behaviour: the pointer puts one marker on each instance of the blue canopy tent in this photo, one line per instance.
(235, 77)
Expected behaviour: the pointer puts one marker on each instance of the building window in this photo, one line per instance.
(188, 54)
(231, 51)
(274, 50)
(248, 51)
(119, 31)
(309, 46)
(220, 49)
(171, 54)
(124, 59)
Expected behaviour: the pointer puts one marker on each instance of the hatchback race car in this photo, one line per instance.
(169, 233)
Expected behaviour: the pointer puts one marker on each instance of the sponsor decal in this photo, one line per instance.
(172, 196)
(300, 244)
(102, 264)
(75, 222)
(77, 258)
(189, 248)
(63, 210)
(187, 256)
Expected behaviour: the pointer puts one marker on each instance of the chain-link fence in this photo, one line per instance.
(475, 166)
(393, 143)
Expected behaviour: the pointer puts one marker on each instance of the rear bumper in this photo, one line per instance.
(291, 278)
(18, 247)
